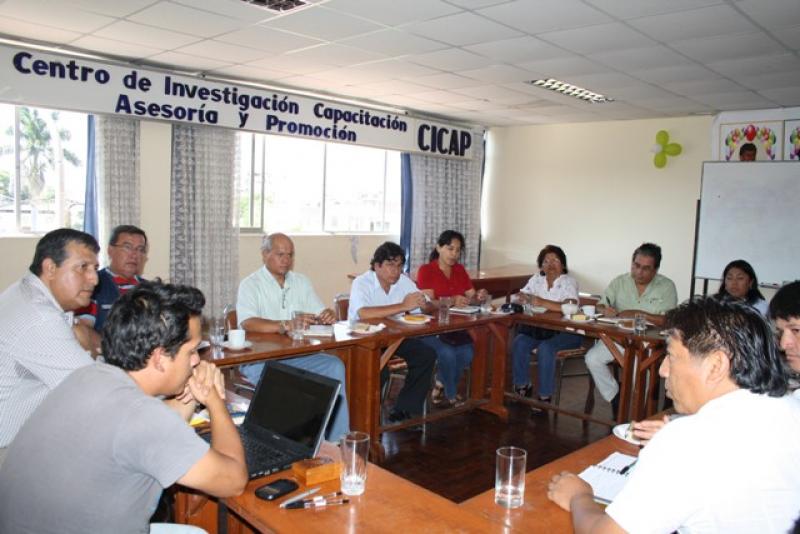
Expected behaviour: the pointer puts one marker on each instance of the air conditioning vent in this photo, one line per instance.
(281, 6)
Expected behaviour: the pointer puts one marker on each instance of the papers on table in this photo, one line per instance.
(609, 476)
(318, 330)
(467, 310)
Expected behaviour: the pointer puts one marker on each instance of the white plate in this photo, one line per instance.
(621, 430)
(403, 319)
(538, 309)
(500, 312)
(247, 345)
(586, 320)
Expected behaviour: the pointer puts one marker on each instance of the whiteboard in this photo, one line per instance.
(750, 211)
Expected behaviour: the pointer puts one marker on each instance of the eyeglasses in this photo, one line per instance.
(130, 249)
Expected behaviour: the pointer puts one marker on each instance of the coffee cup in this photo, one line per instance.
(236, 338)
(569, 308)
(588, 309)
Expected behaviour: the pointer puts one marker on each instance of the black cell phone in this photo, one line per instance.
(275, 489)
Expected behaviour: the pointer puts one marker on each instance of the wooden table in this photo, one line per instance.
(389, 504)
(638, 361)
(538, 513)
(365, 356)
(502, 281)
(498, 281)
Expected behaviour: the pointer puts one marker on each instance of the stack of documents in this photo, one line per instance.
(609, 476)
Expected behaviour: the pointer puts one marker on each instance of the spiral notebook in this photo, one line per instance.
(609, 476)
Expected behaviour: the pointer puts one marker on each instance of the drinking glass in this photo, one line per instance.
(509, 482)
(486, 304)
(444, 309)
(640, 323)
(297, 326)
(216, 336)
(355, 453)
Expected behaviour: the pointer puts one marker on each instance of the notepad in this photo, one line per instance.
(605, 477)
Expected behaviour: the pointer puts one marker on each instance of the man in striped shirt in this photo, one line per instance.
(39, 340)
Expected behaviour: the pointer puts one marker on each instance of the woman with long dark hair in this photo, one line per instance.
(739, 282)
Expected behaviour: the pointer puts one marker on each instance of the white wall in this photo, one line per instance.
(593, 190)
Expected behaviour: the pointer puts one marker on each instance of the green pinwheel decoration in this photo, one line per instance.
(664, 148)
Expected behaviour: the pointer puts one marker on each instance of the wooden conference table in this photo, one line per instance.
(392, 504)
(501, 281)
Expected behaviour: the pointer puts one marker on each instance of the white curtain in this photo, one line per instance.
(205, 230)
(117, 166)
(446, 196)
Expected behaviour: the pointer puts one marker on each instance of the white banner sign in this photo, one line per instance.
(32, 77)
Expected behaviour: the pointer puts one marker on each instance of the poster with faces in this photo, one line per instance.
(765, 137)
(791, 150)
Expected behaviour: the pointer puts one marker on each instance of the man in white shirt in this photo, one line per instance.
(730, 466)
(384, 291)
(265, 303)
(39, 338)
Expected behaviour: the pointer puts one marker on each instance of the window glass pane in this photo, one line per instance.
(294, 172)
(354, 189)
(245, 151)
(392, 210)
(52, 154)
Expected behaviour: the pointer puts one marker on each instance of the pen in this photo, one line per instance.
(628, 467)
(316, 503)
(298, 497)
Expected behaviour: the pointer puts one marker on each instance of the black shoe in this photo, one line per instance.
(535, 410)
(397, 416)
(524, 391)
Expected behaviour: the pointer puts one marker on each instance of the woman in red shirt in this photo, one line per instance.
(445, 277)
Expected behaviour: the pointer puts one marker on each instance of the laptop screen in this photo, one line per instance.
(293, 403)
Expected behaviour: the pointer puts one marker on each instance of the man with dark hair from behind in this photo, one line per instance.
(732, 465)
(40, 344)
(384, 291)
(97, 453)
(784, 310)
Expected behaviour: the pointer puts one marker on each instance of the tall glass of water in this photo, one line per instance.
(486, 304)
(216, 336)
(355, 452)
(509, 482)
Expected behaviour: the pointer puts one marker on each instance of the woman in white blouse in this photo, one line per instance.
(548, 289)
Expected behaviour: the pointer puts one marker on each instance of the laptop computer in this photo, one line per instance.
(287, 418)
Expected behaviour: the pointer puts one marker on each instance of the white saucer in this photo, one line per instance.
(538, 309)
(247, 345)
(621, 431)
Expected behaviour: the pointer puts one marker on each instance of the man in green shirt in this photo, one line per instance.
(642, 290)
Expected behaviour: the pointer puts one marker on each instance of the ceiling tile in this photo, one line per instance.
(694, 88)
(640, 58)
(287, 64)
(545, 15)
(518, 50)
(497, 74)
(114, 48)
(321, 23)
(112, 9)
(703, 22)
(790, 37)
(393, 42)
(350, 75)
(773, 15)
(451, 59)
(396, 68)
(735, 100)
(445, 81)
(563, 67)
(462, 29)
(728, 47)
(237, 10)
(640, 8)
(275, 41)
(641, 91)
(334, 54)
(662, 75)
(777, 79)
(33, 31)
(226, 52)
(393, 12)
(390, 87)
(761, 65)
(475, 4)
(250, 73)
(670, 104)
(187, 62)
(784, 96)
(436, 96)
(494, 93)
(186, 20)
(599, 38)
(603, 82)
(53, 14)
(131, 32)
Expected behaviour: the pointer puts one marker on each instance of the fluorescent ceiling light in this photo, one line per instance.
(571, 90)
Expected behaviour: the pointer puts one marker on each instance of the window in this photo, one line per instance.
(297, 186)
(42, 169)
